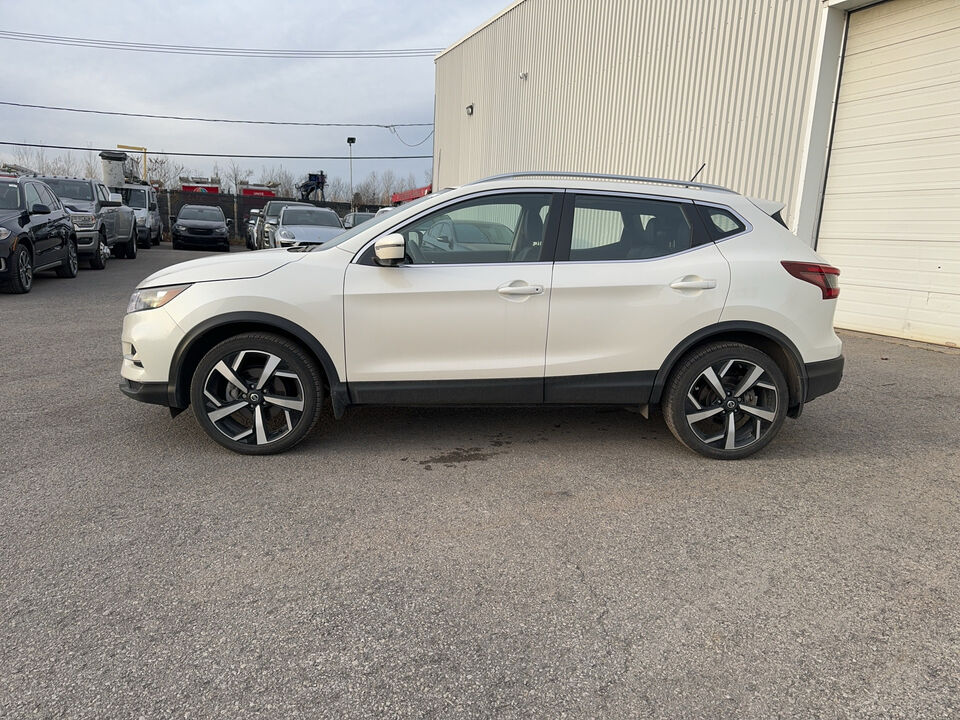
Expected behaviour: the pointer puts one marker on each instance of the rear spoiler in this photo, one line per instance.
(770, 207)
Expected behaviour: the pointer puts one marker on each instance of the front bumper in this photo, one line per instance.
(823, 377)
(148, 341)
(204, 241)
(143, 233)
(88, 241)
(153, 393)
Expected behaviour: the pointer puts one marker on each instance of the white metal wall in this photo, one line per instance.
(891, 213)
(646, 88)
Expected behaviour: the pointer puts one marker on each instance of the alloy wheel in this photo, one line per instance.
(72, 258)
(731, 404)
(25, 270)
(253, 397)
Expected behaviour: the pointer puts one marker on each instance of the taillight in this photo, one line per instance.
(825, 277)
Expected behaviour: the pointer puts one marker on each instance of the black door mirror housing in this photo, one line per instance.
(39, 209)
(153, 206)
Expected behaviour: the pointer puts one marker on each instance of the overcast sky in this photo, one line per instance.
(366, 90)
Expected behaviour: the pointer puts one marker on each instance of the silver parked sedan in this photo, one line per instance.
(300, 225)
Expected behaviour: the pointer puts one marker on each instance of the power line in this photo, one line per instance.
(386, 126)
(416, 144)
(218, 51)
(228, 155)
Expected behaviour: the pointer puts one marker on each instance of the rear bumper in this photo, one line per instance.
(823, 377)
(152, 393)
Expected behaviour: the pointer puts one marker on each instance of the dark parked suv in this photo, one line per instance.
(202, 226)
(100, 219)
(35, 234)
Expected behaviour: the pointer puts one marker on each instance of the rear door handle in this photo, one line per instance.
(520, 290)
(693, 282)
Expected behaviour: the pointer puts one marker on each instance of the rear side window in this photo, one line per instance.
(720, 223)
(624, 228)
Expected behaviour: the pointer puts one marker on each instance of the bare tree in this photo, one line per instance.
(164, 171)
(389, 184)
(91, 167)
(337, 190)
(286, 187)
(368, 191)
(235, 175)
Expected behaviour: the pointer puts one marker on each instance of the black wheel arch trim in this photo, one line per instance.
(725, 328)
(178, 393)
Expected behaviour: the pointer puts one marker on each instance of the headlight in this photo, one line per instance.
(83, 221)
(220, 231)
(287, 235)
(4, 233)
(139, 220)
(179, 228)
(149, 298)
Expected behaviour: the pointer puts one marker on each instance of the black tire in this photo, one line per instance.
(130, 247)
(155, 239)
(176, 244)
(99, 259)
(21, 271)
(733, 424)
(225, 248)
(260, 425)
(71, 263)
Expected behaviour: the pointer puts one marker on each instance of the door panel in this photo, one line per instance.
(445, 322)
(610, 315)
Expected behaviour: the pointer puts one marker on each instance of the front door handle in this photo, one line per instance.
(520, 290)
(693, 282)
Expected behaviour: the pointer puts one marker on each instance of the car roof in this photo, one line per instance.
(62, 177)
(609, 183)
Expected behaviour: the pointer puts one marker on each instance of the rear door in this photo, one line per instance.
(465, 319)
(634, 276)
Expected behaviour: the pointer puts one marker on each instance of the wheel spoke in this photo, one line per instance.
(761, 413)
(696, 417)
(711, 377)
(258, 424)
(241, 436)
(748, 381)
(730, 441)
(221, 367)
(291, 403)
(223, 412)
(272, 362)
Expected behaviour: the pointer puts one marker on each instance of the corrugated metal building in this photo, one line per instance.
(847, 110)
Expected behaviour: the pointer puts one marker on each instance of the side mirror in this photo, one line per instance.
(390, 250)
(348, 222)
(153, 206)
(114, 200)
(173, 220)
(229, 222)
(39, 209)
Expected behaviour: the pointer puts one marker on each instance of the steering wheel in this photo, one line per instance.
(441, 235)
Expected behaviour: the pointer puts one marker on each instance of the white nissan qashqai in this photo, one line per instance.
(523, 289)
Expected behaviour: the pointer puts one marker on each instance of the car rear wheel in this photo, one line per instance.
(257, 393)
(71, 263)
(726, 400)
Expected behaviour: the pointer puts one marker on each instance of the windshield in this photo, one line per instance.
(273, 209)
(9, 196)
(362, 217)
(296, 216)
(71, 189)
(135, 198)
(357, 229)
(212, 214)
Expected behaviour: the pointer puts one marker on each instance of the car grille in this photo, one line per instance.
(200, 231)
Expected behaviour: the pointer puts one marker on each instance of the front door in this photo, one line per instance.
(464, 319)
(634, 277)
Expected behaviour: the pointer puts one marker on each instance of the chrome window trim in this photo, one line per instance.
(448, 203)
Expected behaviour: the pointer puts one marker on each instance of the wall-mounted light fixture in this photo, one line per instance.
(523, 76)
(470, 109)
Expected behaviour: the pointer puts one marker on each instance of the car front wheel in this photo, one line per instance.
(726, 400)
(21, 270)
(257, 393)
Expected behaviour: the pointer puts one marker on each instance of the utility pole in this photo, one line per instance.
(350, 142)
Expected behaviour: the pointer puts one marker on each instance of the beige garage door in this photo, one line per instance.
(891, 214)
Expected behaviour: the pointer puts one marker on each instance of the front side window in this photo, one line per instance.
(32, 195)
(624, 228)
(48, 198)
(492, 229)
(135, 198)
(102, 193)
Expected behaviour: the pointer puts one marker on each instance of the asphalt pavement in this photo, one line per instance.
(501, 563)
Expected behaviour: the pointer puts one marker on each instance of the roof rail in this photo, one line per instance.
(604, 176)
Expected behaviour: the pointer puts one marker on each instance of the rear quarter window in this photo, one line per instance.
(721, 223)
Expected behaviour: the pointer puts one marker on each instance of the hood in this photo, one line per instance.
(313, 233)
(201, 223)
(83, 206)
(222, 267)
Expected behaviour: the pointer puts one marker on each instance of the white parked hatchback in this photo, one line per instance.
(524, 289)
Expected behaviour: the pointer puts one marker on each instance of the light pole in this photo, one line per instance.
(350, 142)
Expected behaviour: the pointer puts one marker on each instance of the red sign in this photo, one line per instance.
(408, 195)
(201, 188)
(257, 192)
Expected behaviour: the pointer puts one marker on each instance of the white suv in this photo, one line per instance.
(524, 289)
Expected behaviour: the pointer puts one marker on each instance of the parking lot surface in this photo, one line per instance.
(495, 563)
